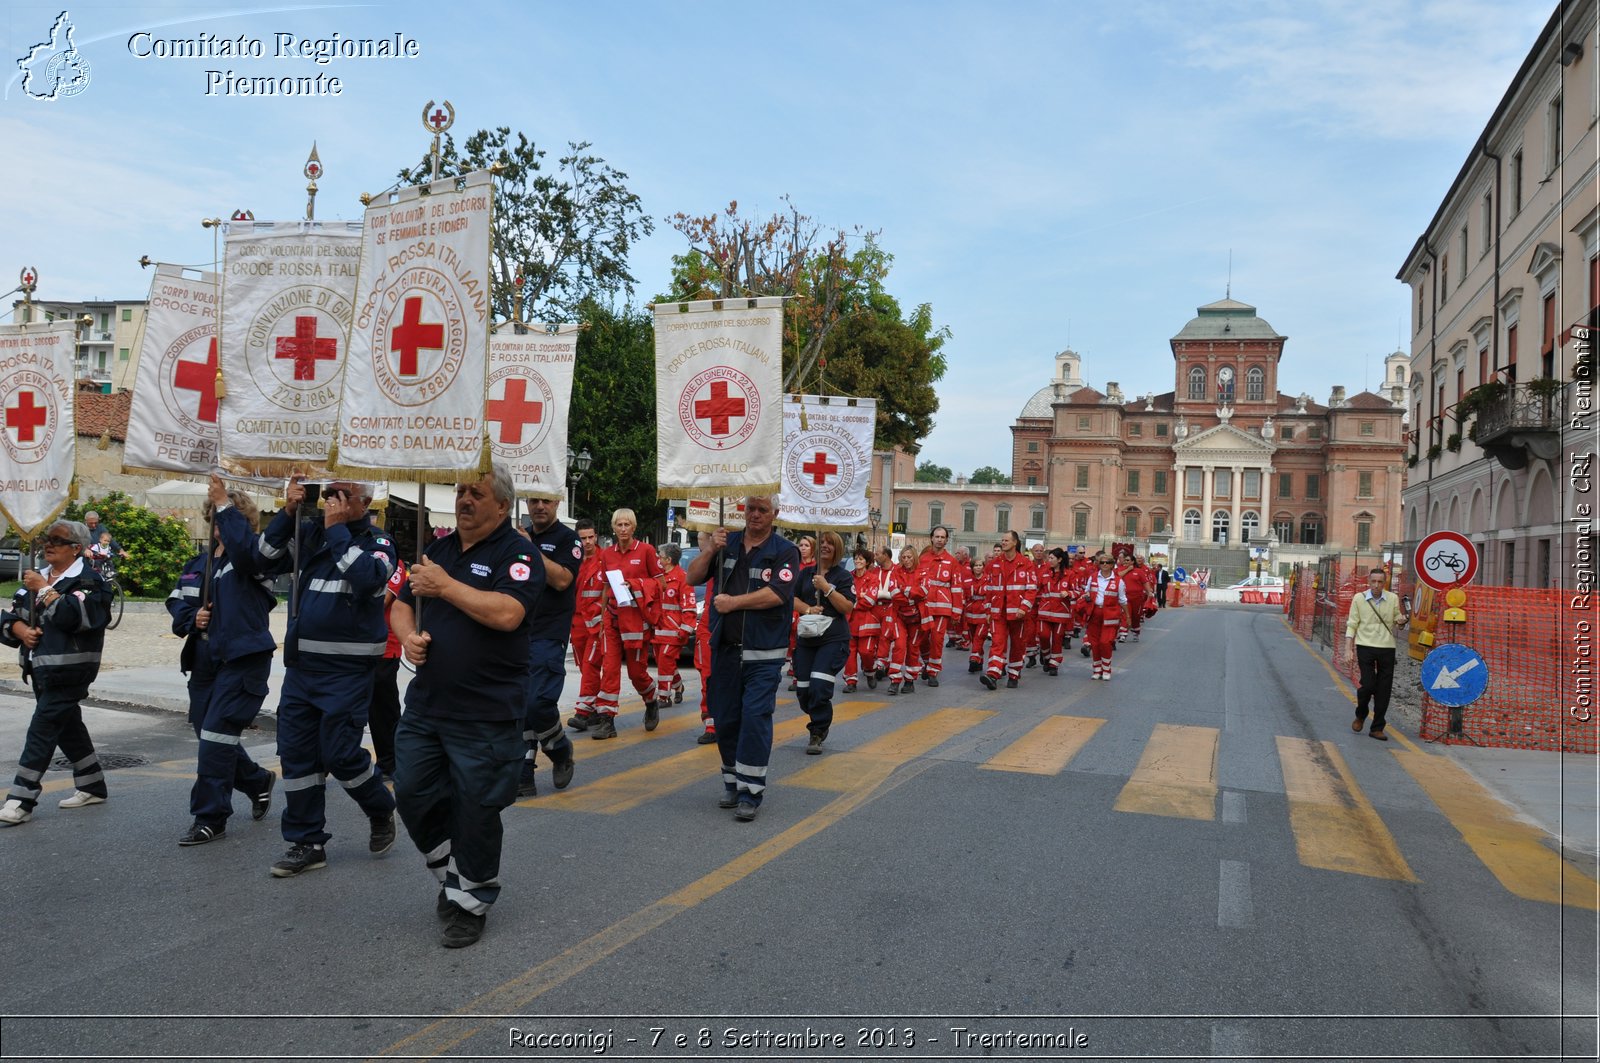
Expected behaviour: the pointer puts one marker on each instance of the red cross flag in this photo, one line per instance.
(530, 389)
(827, 461)
(37, 435)
(413, 402)
(719, 377)
(288, 289)
(172, 424)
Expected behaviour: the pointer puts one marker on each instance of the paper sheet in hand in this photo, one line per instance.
(619, 588)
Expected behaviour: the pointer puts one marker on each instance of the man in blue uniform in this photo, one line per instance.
(334, 644)
(459, 748)
(549, 629)
(228, 654)
(755, 570)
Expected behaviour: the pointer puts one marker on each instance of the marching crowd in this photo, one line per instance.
(486, 617)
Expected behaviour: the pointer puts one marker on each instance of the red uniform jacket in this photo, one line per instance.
(866, 619)
(1010, 587)
(937, 575)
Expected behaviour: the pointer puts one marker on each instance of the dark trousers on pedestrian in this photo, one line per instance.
(320, 720)
(1377, 677)
(452, 779)
(743, 696)
(57, 722)
(816, 676)
(383, 713)
(221, 705)
(541, 724)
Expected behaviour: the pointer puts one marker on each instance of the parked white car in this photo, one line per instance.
(1252, 582)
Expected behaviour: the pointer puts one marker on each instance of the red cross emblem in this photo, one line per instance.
(28, 277)
(27, 416)
(413, 336)
(201, 377)
(819, 468)
(438, 118)
(719, 408)
(307, 348)
(313, 170)
(514, 411)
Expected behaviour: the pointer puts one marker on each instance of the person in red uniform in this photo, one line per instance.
(903, 617)
(587, 622)
(702, 649)
(958, 598)
(865, 624)
(1105, 600)
(675, 623)
(1053, 609)
(1032, 635)
(626, 637)
(936, 572)
(1010, 586)
(888, 629)
(975, 617)
(1137, 579)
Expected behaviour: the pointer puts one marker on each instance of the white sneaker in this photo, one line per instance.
(80, 799)
(13, 814)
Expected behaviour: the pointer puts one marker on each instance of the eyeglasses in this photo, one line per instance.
(56, 541)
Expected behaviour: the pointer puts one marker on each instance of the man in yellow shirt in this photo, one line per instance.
(1369, 633)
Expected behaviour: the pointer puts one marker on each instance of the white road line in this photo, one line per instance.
(1234, 911)
(1233, 807)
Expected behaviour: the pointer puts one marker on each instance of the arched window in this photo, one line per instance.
(1249, 525)
(1221, 525)
(1255, 385)
(1283, 528)
(1191, 525)
(1197, 383)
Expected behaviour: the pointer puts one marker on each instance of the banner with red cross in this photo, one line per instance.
(172, 423)
(719, 378)
(412, 406)
(288, 289)
(530, 390)
(38, 439)
(827, 462)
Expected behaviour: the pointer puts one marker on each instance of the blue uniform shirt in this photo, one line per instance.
(775, 564)
(552, 616)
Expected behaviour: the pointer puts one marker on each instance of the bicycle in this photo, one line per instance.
(108, 572)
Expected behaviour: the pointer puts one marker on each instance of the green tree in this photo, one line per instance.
(929, 473)
(158, 547)
(561, 234)
(988, 474)
(613, 414)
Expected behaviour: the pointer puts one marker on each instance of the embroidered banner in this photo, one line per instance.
(38, 442)
(172, 422)
(703, 514)
(412, 406)
(827, 461)
(530, 390)
(719, 375)
(287, 292)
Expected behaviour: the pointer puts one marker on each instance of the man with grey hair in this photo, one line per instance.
(58, 619)
(331, 654)
(459, 747)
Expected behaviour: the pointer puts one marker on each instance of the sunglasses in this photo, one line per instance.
(55, 541)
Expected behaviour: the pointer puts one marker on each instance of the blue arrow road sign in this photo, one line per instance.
(1454, 675)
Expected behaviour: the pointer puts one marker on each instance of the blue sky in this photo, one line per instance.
(1043, 173)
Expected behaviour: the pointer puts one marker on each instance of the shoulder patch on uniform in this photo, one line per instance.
(381, 541)
(520, 571)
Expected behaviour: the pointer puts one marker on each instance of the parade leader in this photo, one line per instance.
(459, 746)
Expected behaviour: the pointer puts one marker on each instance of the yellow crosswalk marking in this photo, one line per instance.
(1048, 748)
(1514, 852)
(1176, 775)
(877, 759)
(1335, 826)
(632, 788)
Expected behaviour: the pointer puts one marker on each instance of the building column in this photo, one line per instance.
(1235, 532)
(1208, 471)
(1178, 473)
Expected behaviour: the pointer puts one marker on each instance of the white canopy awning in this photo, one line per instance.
(189, 495)
(440, 500)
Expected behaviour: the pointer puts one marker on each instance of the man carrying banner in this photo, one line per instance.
(756, 571)
(557, 546)
(331, 656)
(58, 618)
(459, 748)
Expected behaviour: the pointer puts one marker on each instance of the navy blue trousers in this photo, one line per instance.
(57, 721)
(547, 674)
(221, 705)
(743, 695)
(321, 717)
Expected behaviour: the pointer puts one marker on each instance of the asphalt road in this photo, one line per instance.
(1196, 860)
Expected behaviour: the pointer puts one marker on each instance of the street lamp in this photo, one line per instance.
(873, 517)
(577, 465)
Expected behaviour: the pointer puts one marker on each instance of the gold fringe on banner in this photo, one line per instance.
(37, 530)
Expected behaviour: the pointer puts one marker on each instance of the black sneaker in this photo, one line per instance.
(444, 907)
(706, 738)
(300, 858)
(974, 667)
(561, 772)
(382, 833)
(462, 929)
(908, 686)
(580, 721)
(604, 727)
(872, 680)
(729, 799)
(1033, 662)
(1051, 669)
(894, 688)
(199, 834)
(652, 715)
(1011, 684)
(261, 804)
(526, 786)
(1085, 650)
(746, 811)
(987, 680)
(933, 680)
(814, 747)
